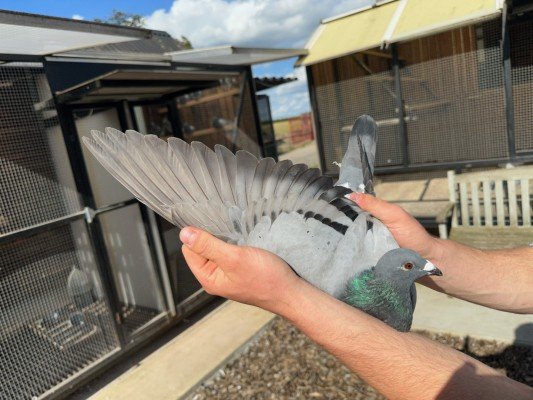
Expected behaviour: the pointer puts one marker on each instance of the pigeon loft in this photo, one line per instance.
(492, 209)
(449, 84)
(88, 274)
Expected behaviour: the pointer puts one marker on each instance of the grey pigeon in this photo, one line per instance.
(290, 210)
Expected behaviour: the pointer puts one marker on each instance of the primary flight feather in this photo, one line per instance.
(289, 209)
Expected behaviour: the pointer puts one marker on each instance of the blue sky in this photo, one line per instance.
(88, 9)
(249, 23)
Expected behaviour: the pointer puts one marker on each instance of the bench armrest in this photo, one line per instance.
(443, 215)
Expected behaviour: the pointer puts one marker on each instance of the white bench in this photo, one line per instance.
(425, 199)
(492, 209)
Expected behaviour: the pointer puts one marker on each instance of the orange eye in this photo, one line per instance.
(408, 266)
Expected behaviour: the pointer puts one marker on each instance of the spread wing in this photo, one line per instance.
(224, 193)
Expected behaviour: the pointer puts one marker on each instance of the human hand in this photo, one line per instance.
(406, 229)
(245, 274)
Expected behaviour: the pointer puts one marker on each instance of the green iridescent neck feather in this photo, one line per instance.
(377, 296)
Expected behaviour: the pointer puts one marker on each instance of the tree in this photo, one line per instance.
(186, 43)
(124, 19)
(136, 21)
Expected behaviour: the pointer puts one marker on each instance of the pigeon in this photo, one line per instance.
(288, 209)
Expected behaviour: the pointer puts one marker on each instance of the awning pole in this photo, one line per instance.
(400, 110)
(508, 83)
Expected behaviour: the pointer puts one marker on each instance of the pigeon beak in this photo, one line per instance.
(431, 269)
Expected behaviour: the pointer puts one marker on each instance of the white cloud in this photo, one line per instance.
(78, 17)
(254, 23)
(258, 23)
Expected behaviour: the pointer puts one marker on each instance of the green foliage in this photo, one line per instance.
(124, 19)
(185, 42)
(121, 18)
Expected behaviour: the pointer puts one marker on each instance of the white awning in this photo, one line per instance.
(37, 35)
(230, 55)
(392, 22)
(426, 17)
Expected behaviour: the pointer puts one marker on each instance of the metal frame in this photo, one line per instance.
(248, 77)
(96, 239)
(81, 92)
(316, 119)
(400, 109)
(274, 144)
(90, 213)
(151, 228)
(507, 82)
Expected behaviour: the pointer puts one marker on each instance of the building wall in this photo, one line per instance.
(452, 88)
(37, 184)
(295, 130)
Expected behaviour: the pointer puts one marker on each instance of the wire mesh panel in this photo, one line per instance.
(452, 94)
(340, 103)
(520, 32)
(54, 320)
(36, 186)
(454, 104)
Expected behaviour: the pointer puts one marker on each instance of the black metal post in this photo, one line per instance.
(251, 89)
(400, 109)
(316, 118)
(508, 83)
(174, 117)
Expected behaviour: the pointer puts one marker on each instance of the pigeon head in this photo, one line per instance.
(387, 291)
(404, 266)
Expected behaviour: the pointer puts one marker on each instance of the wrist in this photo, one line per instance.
(436, 251)
(282, 299)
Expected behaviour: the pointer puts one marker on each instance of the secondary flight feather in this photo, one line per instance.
(289, 209)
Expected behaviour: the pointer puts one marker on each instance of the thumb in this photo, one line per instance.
(208, 246)
(384, 211)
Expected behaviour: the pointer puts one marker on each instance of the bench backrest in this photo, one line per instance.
(492, 208)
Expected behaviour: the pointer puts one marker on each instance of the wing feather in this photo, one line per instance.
(224, 193)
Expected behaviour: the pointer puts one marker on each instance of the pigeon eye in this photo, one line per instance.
(408, 266)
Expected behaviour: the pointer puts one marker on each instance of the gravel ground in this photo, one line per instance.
(282, 363)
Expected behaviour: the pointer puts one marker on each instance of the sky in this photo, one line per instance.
(206, 23)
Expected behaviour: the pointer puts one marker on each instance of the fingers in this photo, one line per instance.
(203, 269)
(382, 210)
(209, 247)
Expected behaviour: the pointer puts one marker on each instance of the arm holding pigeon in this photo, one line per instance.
(500, 279)
(304, 218)
(399, 365)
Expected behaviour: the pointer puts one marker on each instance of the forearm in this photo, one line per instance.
(399, 365)
(500, 279)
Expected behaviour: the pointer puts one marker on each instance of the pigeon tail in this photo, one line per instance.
(357, 166)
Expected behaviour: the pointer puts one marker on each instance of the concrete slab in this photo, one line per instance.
(441, 313)
(176, 368)
(306, 154)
